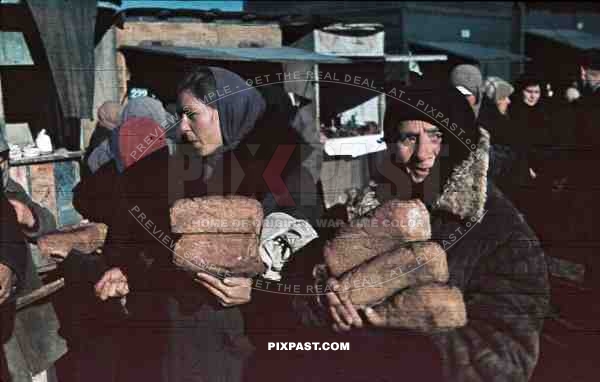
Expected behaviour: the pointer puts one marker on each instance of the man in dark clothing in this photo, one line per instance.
(31, 344)
(13, 255)
(98, 151)
(530, 119)
(532, 137)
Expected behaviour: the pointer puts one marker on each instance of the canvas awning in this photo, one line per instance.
(67, 32)
(569, 37)
(273, 55)
(472, 51)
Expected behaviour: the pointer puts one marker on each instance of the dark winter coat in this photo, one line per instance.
(34, 345)
(503, 154)
(495, 260)
(533, 133)
(196, 337)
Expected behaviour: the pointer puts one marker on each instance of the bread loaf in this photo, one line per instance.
(85, 238)
(349, 250)
(410, 265)
(217, 214)
(426, 308)
(219, 254)
(393, 223)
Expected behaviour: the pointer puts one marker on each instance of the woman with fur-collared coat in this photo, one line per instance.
(493, 257)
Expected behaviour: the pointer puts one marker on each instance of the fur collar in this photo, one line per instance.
(465, 191)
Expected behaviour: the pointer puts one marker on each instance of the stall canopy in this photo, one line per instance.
(471, 51)
(572, 38)
(336, 96)
(144, 62)
(273, 55)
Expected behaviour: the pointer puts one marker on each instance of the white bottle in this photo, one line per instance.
(43, 142)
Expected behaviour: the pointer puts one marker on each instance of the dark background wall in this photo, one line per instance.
(490, 23)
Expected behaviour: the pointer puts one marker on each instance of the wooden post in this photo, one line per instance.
(2, 119)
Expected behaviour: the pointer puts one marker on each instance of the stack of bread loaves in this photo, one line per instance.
(387, 261)
(219, 235)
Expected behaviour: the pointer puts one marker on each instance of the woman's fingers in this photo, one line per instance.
(336, 299)
(210, 279)
(122, 289)
(112, 284)
(238, 281)
(339, 324)
(374, 318)
(340, 328)
(230, 291)
(216, 292)
(351, 310)
(343, 312)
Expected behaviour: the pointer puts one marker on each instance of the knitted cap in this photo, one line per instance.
(495, 89)
(146, 107)
(138, 138)
(444, 107)
(467, 76)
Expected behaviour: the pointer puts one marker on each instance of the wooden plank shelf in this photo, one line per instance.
(57, 155)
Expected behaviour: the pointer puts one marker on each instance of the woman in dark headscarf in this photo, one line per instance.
(240, 142)
(240, 131)
(244, 141)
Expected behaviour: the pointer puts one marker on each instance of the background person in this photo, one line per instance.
(469, 81)
(30, 340)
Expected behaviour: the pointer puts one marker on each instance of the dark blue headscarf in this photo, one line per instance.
(240, 107)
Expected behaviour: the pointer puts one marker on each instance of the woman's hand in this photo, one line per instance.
(230, 291)
(112, 284)
(24, 214)
(344, 314)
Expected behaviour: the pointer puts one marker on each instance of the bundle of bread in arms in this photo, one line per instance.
(219, 235)
(83, 237)
(388, 261)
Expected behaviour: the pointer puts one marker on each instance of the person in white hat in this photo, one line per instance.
(468, 80)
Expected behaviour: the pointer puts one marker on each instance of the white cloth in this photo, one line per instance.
(281, 236)
(41, 377)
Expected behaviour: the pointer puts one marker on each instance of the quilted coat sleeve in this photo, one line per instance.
(506, 297)
(44, 220)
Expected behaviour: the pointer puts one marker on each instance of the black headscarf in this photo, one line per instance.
(240, 107)
(444, 107)
(255, 123)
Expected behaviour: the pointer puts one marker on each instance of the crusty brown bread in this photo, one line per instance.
(410, 265)
(392, 224)
(425, 308)
(220, 254)
(217, 214)
(85, 238)
(406, 220)
(349, 250)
